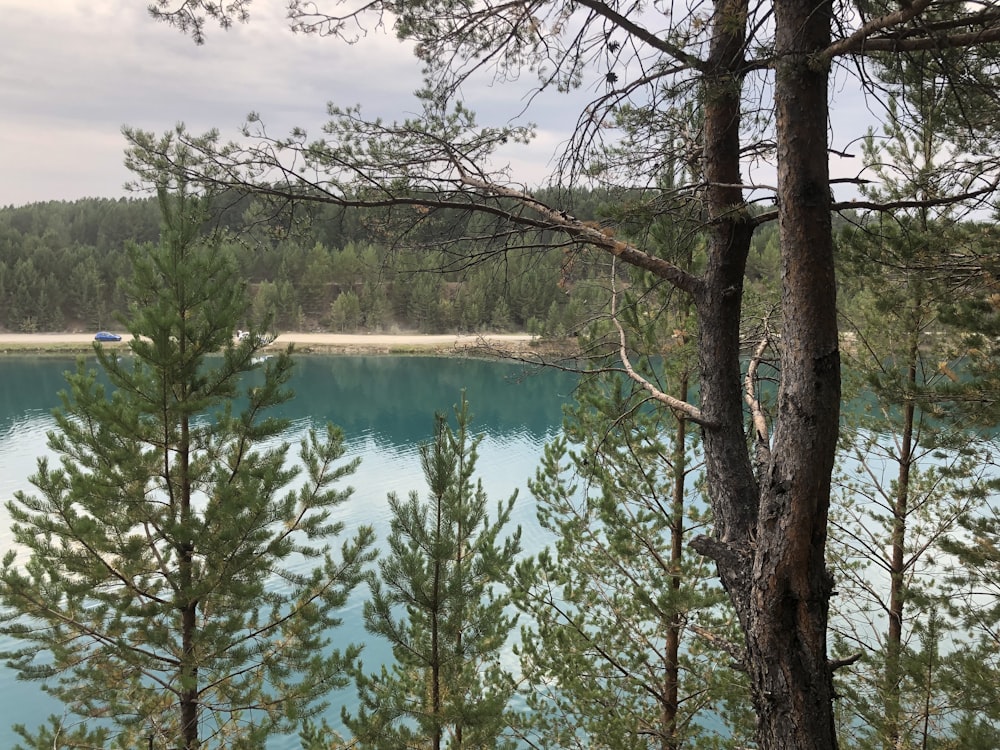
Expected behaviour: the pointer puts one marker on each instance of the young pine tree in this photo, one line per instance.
(919, 460)
(912, 468)
(439, 599)
(612, 656)
(620, 651)
(167, 584)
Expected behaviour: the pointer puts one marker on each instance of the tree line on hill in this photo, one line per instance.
(62, 264)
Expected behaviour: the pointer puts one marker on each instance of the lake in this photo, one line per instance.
(385, 405)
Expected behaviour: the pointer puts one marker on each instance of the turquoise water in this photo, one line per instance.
(385, 406)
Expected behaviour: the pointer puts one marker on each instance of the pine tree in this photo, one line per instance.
(168, 583)
(440, 600)
(622, 647)
(918, 464)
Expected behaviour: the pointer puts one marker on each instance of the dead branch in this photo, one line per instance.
(762, 436)
(681, 408)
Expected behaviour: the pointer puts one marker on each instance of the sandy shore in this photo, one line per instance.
(320, 343)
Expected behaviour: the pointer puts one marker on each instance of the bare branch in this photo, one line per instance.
(738, 654)
(946, 200)
(762, 438)
(681, 408)
(984, 29)
(860, 39)
(653, 40)
(597, 236)
(847, 661)
(723, 553)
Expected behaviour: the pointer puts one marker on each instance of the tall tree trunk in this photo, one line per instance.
(771, 529)
(671, 699)
(436, 626)
(189, 605)
(792, 679)
(894, 637)
(459, 655)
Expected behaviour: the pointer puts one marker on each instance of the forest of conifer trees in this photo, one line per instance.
(61, 264)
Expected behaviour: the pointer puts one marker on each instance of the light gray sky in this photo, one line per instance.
(73, 72)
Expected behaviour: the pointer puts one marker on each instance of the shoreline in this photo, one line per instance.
(312, 343)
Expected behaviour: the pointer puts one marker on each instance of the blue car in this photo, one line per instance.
(105, 336)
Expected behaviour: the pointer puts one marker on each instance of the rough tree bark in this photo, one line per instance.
(770, 531)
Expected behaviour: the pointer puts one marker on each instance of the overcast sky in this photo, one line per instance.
(73, 72)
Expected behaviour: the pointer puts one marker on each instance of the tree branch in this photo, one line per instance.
(681, 408)
(655, 41)
(762, 437)
(723, 553)
(860, 39)
(847, 661)
(917, 37)
(596, 236)
(914, 203)
(738, 654)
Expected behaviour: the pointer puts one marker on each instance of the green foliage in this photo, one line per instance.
(61, 263)
(974, 671)
(919, 459)
(424, 302)
(172, 576)
(345, 313)
(618, 588)
(440, 599)
(621, 647)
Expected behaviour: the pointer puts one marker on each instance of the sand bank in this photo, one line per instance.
(320, 343)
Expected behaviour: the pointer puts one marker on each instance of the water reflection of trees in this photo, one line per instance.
(395, 395)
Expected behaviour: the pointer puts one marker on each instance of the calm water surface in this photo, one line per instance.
(385, 406)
